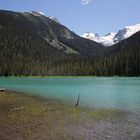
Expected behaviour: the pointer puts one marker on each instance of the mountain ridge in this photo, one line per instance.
(33, 45)
(113, 38)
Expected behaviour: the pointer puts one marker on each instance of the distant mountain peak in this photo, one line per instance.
(111, 33)
(113, 38)
(136, 26)
(105, 40)
(91, 34)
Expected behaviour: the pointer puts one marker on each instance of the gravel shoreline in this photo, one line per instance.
(33, 118)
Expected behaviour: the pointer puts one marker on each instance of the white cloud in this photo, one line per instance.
(85, 2)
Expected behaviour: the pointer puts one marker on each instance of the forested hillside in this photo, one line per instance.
(33, 44)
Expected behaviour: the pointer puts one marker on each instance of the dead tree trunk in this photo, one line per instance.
(77, 103)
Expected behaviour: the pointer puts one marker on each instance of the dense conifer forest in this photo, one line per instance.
(34, 45)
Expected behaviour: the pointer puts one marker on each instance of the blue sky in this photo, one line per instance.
(100, 16)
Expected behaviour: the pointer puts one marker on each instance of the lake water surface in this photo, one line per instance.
(117, 92)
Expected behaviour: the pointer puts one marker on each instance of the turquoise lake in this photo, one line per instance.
(116, 92)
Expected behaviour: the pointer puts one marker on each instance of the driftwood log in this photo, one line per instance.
(2, 89)
(17, 108)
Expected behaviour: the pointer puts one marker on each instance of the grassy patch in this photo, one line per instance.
(105, 114)
(32, 117)
(19, 108)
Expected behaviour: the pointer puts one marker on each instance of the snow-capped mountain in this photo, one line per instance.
(126, 32)
(113, 38)
(106, 40)
(38, 13)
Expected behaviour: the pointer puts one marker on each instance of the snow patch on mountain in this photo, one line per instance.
(106, 40)
(113, 38)
(54, 19)
(37, 13)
